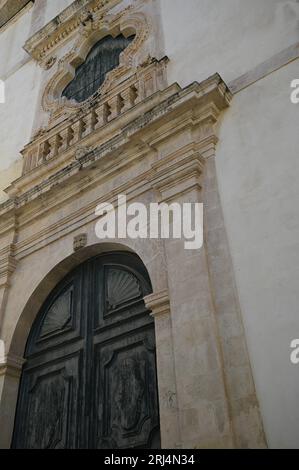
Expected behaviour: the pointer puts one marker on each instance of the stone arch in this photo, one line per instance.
(11, 370)
(56, 274)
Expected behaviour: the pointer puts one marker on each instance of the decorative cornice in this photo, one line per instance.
(8, 264)
(191, 110)
(160, 110)
(178, 173)
(42, 44)
(8, 237)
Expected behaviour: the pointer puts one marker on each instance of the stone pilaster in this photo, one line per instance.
(159, 305)
(8, 234)
(10, 373)
(202, 400)
(244, 407)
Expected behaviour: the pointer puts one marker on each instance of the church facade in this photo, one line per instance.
(137, 342)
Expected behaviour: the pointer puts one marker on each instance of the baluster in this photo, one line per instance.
(44, 150)
(54, 143)
(77, 128)
(129, 96)
(66, 136)
(115, 104)
(102, 113)
(89, 122)
(140, 92)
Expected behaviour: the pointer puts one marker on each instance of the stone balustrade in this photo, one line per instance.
(101, 111)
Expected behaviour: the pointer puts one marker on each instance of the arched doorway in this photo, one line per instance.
(89, 380)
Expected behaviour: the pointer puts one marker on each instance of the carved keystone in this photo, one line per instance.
(80, 241)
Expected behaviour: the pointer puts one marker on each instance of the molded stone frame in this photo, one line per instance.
(91, 26)
(165, 153)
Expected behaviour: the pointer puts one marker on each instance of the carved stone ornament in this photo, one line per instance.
(50, 62)
(91, 26)
(80, 241)
(81, 152)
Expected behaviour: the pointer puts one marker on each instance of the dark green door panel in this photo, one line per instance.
(89, 380)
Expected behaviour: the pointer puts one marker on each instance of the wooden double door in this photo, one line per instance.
(89, 380)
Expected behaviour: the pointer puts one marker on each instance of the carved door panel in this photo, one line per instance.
(49, 401)
(126, 405)
(90, 376)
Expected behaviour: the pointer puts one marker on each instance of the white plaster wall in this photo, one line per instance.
(12, 39)
(54, 7)
(257, 165)
(22, 83)
(227, 36)
(16, 114)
